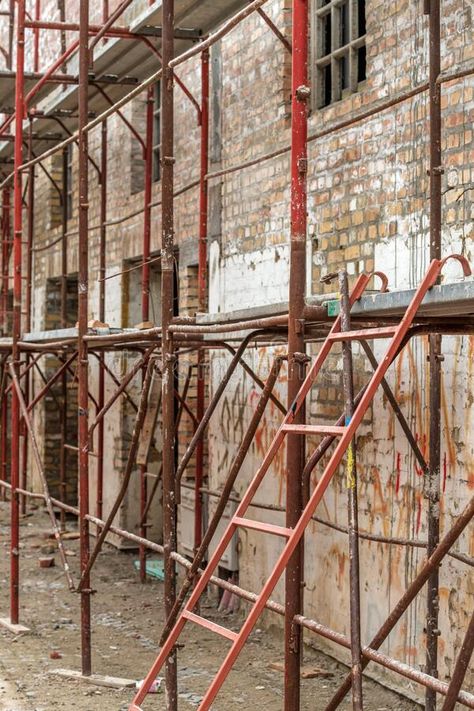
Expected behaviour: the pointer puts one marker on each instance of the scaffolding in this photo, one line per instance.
(86, 101)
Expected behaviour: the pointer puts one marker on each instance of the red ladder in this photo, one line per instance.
(293, 536)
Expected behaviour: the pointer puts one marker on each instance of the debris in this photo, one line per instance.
(46, 562)
(155, 688)
(94, 323)
(67, 535)
(55, 654)
(154, 568)
(306, 672)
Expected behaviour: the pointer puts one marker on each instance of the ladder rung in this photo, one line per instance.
(314, 429)
(208, 625)
(264, 527)
(364, 334)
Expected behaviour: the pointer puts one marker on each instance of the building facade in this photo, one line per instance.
(368, 209)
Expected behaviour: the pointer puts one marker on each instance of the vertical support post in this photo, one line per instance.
(102, 305)
(6, 243)
(17, 289)
(64, 393)
(29, 272)
(11, 32)
(83, 362)
(167, 307)
(296, 371)
(36, 43)
(202, 289)
(5, 253)
(353, 512)
(462, 664)
(432, 482)
(146, 296)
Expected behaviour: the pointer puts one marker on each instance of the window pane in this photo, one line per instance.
(344, 26)
(325, 75)
(326, 26)
(344, 72)
(361, 17)
(361, 64)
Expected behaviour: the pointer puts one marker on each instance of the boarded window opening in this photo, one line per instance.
(53, 401)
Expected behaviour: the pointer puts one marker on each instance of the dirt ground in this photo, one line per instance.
(127, 618)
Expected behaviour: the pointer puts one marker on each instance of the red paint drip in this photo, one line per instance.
(418, 517)
(397, 482)
(445, 471)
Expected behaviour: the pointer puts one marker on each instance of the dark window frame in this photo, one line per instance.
(338, 49)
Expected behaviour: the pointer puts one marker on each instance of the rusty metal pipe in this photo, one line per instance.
(17, 300)
(432, 486)
(83, 360)
(169, 360)
(460, 668)
(44, 482)
(121, 389)
(352, 502)
(224, 496)
(412, 591)
(142, 408)
(209, 411)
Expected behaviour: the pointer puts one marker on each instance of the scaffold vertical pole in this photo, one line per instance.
(64, 392)
(167, 310)
(83, 307)
(28, 296)
(150, 105)
(17, 294)
(296, 345)
(102, 313)
(352, 503)
(432, 481)
(202, 290)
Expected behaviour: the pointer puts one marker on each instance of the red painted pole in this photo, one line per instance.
(146, 297)
(6, 244)
(37, 36)
(102, 316)
(295, 445)
(17, 289)
(29, 273)
(202, 288)
(5, 254)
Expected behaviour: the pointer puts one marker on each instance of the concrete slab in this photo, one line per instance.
(14, 629)
(111, 682)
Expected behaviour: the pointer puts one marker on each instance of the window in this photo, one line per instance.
(338, 49)
(157, 134)
(69, 188)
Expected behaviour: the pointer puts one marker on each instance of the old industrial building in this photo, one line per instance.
(198, 200)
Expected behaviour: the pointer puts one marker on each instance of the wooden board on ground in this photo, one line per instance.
(112, 682)
(306, 672)
(14, 629)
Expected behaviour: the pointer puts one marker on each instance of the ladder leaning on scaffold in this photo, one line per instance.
(293, 536)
